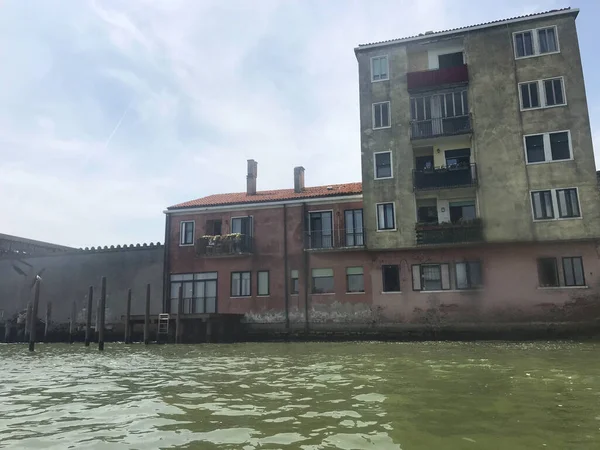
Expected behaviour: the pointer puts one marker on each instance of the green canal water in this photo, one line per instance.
(310, 396)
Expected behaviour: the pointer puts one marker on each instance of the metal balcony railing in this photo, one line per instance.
(442, 126)
(445, 177)
(334, 239)
(438, 77)
(449, 233)
(225, 245)
(195, 305)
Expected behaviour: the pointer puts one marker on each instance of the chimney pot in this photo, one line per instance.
(298, 179)
(251, 177)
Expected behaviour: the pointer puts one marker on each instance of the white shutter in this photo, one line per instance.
(416, 277)
(445, 276)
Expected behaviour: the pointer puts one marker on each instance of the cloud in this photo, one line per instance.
(183, 92)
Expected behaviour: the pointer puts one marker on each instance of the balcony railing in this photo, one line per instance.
(443, 126)
(439, 77)
(445, 177)
(335, 239)
(449, 233)
(197, 305)
(225, 245)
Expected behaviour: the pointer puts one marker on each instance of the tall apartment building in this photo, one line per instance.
(479, 201)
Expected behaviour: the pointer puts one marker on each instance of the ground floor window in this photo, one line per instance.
(199, 293)
(391, 278)
(355, 281)
(322, 281)
(262, 278)
(241, 284)
(573, 271)
(468, 275)
(295, 285)
(431, 277)
(548, 272)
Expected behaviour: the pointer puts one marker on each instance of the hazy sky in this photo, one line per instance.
(112, 110)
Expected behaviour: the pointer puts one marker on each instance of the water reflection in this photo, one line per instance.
(305, 396)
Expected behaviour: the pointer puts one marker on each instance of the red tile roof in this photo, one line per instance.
(466, 28)
(272, 196)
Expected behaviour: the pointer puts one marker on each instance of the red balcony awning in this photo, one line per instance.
(439, 77)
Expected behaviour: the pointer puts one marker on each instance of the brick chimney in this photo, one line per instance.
(251, 177)
(298, 179)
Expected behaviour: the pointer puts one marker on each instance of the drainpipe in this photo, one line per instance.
(306, 265)
(166, 266)
(286, 270)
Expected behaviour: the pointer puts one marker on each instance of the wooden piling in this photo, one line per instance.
(7, 327)
(48, 319)
(27, 322)
(178, 316)
(73, 321)
(147, 317)
(102, 312)
(88, 318)
(34, 313)
(128, 318)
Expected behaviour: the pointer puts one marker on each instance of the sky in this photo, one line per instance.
(112, 110)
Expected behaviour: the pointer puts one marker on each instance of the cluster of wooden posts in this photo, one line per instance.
(33, 316)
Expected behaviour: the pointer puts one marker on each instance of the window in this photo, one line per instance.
(548, 147)
(554, 92)
(381, 115)
(383, 165)
(427, 210)
(242, 225)
(322, 281)
(187, 233)
(462, 211)
(295, 285)
(355, 281)
(552, 88)
(213, 227)
(450, 60)
(379, 68)
(240, 284)
(547, 40)
(385, 216)
(199, 293)
(530, 97)
(568, 203)
(565, 201)
(524, 44)
(458, 158)
(391, 278)
(262, 279)
(468, 275)
(320, 229)
(542, 205)
(573, 271)
(535, 42)
(547, 272)
(354, 228)
(431, 277)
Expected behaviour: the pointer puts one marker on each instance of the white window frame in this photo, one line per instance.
(542, 93)
(536, 44)
(379, 230)
(387, 63)
(259, 284)
(554, 197)
(375, 166)
(182, 234)
(548, 148)
(389, 115)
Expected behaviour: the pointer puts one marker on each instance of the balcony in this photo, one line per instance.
(449, 233)
(442, 126)
(225, 245)
(445, 177)
(335, 239)
(439, 77)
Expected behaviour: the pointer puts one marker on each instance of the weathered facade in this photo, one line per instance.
(479, 200)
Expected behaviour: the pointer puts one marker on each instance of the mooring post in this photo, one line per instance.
(88, 318)
(147, 317)
(7, 327)
(72, 322)
(128, 318)
(178, 316)
(34, 313)
(209, 330)
(102, 312)
(48, 319)
(27, 321)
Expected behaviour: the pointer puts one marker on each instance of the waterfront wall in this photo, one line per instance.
(66, 278)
